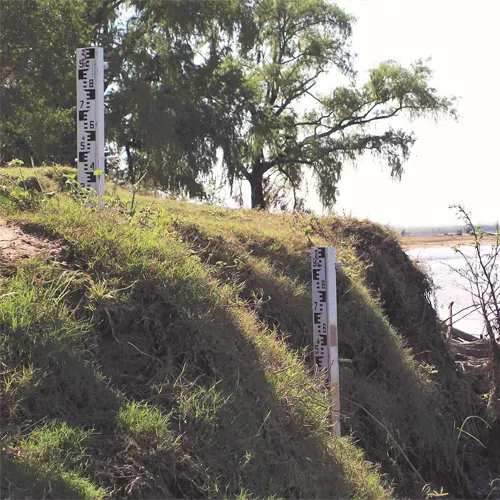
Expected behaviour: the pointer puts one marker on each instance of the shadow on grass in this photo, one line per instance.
(278, 302)
(200, 366)
(21, 481)
(418, 406)
(236, 434)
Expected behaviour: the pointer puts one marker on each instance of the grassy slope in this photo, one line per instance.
(165, 358)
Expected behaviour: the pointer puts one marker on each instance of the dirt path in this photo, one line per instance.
(19, 243)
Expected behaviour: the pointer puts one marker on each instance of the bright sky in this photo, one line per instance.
(451, 162)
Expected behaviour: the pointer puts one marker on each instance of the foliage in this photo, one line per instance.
(22, 193)
(19, 197)
(38, 39)
(191, 82)
(431, 493)
(160, 110)
(283, 126)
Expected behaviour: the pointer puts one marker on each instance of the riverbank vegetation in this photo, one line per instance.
(151, 347)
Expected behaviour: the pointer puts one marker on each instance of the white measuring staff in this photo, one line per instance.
(325, 339)
(90, 118)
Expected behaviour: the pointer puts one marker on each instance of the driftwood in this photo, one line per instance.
(459, 334)
(449, 333)
(476, 349)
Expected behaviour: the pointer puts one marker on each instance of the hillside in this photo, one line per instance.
(167, 355)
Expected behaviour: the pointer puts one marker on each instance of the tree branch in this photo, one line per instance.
(292, 183)
(355, 121)
(299, 92)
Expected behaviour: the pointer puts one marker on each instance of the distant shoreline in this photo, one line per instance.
(444, 240)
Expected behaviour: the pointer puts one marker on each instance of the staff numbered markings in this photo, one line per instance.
(90, 118)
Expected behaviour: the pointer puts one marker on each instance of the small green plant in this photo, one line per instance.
(429, 492)
(80, 193)
(71, 182)
(240, 264)
(313, 218)
(148, 426)
(135, 187)
(19, 198)
(429, 369)
(57, 442)
(15, 162)
(308, 231)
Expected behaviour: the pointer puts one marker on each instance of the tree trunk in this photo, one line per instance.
(256, 180)
(258, 200)
(130, 161)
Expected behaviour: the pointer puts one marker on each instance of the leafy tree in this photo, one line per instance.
(187, 79)
(280, 126)
(38, 39)
(160, 111)
(156, 111)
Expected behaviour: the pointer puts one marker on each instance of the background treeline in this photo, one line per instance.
(441, 230)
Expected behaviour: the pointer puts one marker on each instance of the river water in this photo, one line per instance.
(438, 261)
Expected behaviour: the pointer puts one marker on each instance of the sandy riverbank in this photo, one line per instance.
(441, 240)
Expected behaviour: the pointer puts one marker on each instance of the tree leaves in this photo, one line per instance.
(190, 80)
(289, 126)
(38, 39)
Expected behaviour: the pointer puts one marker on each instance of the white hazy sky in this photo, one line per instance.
(451, 162)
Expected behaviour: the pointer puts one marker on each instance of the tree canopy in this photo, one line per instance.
(37, 94)
(38, 40)
(288, 127)
(268, 85)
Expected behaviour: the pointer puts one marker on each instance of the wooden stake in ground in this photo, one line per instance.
(325, 338)
(450, 324)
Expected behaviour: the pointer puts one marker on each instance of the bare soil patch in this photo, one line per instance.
(20, 243)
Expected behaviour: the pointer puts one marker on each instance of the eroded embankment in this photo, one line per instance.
(130, 371)
(401, 395)
(165, 357)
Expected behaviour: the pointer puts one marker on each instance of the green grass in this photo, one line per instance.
(52, 460)
(147, 426)
(168, 355)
